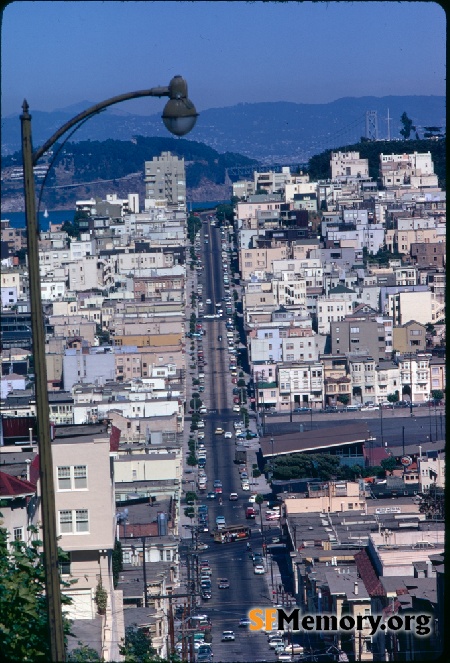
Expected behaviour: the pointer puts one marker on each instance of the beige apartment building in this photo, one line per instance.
(260, 261)
(330, 497)
(421, 306)
(410, 337)
(348, 164)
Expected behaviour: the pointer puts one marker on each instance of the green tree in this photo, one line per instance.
(83, 654)
(393, 398)
(389, 464)
(433, 503)
(437, 394)
(24, 634)
(137, 647)
(344, 399)
(407, 126)
(117, 562)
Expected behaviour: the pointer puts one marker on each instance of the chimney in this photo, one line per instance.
(355, 590)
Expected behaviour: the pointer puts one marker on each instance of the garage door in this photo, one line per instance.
(82, 604)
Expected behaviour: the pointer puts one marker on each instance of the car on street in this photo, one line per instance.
(252, 499)
(219, 431)
(219, 338)
(284, 657)
(301, 409)
(220, 522)
(217, 483)
(275, 641)
(233, 496)
(206, 657)
(208, 301)
(245, 485)
(370, 408)
(228, 435)
(206, 594)
(223, 583)
(244, 622)
(227, 636)
(202, 546)
(259, 570)
(294, 648)
(236, 408)
(251, 435)
(211, 495)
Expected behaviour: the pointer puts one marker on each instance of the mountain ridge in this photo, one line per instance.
(271, 132)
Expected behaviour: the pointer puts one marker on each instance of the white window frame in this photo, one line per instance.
(74, 474)
(74, 519)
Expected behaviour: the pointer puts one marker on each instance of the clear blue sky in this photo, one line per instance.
(56, 54)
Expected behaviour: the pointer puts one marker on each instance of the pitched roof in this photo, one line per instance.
(12, 487)
(368, 574)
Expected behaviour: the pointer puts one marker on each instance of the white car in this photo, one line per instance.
(259, 570)
(208, 301)
(252, 499)
(236, 408)
(228, 435)
(227, 636)
(245, 486)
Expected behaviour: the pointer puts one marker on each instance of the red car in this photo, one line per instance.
(236, 400)
(218, 490)
(234, 380)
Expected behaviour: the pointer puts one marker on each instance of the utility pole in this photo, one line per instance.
(171, 624)
(144, 572)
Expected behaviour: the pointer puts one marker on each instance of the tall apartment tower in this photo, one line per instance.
(165, 177)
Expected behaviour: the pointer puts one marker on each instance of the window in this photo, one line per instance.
(72, 477)
(82, 520)
(78, 518)
(18, 533)
(64, 567)
(65, 522)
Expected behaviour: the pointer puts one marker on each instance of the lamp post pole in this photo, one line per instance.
(48, 513)
(179, 116)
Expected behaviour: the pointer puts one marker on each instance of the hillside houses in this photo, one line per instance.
(333, 286)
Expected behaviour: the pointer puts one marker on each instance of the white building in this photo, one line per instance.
(331, 309)
(348, 164)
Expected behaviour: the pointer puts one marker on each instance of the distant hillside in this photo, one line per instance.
(113, 165)
(272, 132)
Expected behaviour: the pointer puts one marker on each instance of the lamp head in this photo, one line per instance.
(179, 114)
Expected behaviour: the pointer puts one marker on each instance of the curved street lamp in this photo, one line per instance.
(179, 117)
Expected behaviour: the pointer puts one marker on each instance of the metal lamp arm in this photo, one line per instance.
(152, 92)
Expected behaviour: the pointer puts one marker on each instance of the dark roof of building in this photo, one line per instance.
(315, 440)
(340, 289)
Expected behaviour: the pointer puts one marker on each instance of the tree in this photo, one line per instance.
(343, 398)
(433, 503)
(24, 634)
(407, 126)
(83, 654)
(137, 647)
(389, 464)
(393, 398)
(437, 394)
(117, 562)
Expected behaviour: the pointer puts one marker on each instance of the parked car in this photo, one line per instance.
(259, 570)
(302, 409)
